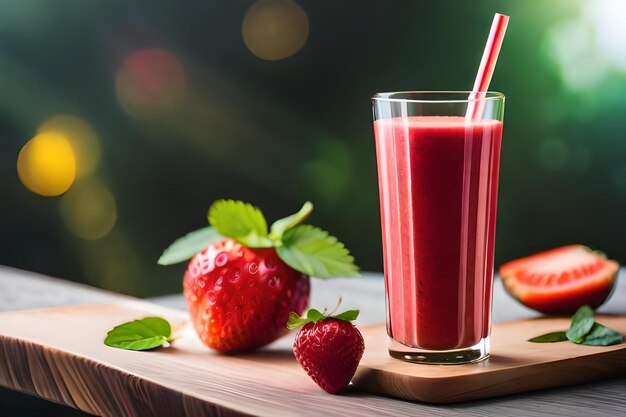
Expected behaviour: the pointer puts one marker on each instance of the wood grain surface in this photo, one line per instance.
(58, 354)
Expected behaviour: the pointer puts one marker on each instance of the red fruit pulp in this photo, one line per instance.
(438, 181)
(240, 298)
(329, 351)
(559, 281)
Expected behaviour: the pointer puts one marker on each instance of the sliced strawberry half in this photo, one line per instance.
(561, 280)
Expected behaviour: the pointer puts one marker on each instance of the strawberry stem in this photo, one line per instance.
(336, 307)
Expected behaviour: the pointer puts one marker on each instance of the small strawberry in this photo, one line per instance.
(328, 347)
(244, 280)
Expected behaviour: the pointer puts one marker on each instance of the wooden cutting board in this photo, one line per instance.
(58, 354)
(514, 366)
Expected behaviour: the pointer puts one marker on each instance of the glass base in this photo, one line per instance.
(476, 353)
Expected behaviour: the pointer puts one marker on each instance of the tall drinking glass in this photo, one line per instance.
(438, 184)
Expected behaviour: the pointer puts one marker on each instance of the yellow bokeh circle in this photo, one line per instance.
(275, 29)
(88, 209)
(46, 165)
(82, 138)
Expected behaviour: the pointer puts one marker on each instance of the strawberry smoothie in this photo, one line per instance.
(438, 182)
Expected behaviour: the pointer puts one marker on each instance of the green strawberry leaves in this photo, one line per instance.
(313, 316)
(188, 245)
(305, 248)
(240, 221)
(296, 321)
(147, 333)
(314, 252)
(583, 330)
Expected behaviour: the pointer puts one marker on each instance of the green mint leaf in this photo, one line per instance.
(583, 330)
(147, 333)
(348, 315)
(314, 252)
(240, 221)
(280, 226)
(602, 336)
(549, 338)
(187, 246)
(582, 321)
(313, 316)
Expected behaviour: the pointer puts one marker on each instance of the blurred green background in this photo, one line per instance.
(168, 106)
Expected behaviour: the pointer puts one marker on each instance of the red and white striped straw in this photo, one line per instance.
(487, 66)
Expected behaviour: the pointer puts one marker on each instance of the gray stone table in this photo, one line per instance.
(24, 290)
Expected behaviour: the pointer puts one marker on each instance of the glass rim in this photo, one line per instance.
(388, 96)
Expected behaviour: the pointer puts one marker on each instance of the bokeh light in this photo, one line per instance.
(88, 209)
(572, 48)
(553, 153)
(81, 137)
(328, 174)
(275, 29)
(587, 47)
(46, 165)
(150, 80)
(608, 18)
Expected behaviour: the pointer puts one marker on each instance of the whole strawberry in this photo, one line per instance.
(328, 348)
(240, 298)
(244, 280)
